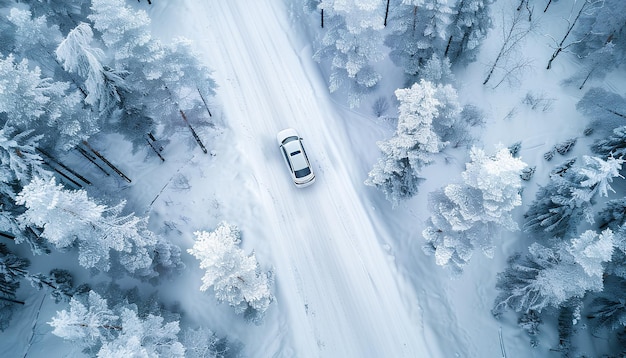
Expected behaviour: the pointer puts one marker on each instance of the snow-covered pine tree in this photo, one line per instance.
(32, 102)
(117, 331)
(202, 343)
(467, 216)
(613, 215)
(13, 269)
(171, 74)
(568, 198)
(605, 109)
(19, 163)
(34, 39)
(608, 309)
(234, 276)
(418, 30)
(65, 14)
(468, 28)
(124, 31)
(551, 276)
(405, 38)
(126, 35)
(150, 336)
(69, 217)
(353, 42)
(601, 43)
(27, 98)
(437, 70)
(19, 160)
(102, 84)
(614, 145)
(423, 108)
(186, 84)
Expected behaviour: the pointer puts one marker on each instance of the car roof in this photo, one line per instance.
(295, 152)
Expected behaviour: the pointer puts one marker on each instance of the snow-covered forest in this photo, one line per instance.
(470, 198)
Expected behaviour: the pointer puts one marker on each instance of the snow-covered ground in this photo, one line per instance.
(351, 278)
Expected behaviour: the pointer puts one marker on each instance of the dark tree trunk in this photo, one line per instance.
(386, 12)
(12, 300)
(115, 169)
(193, 132)
(204, 101)
(547, 5)
(560, 46)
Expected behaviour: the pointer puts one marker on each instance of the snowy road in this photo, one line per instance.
(336, 286)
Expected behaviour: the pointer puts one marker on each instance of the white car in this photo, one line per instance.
(291, 147)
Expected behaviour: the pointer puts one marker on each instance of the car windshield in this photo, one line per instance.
(302, 172)
(289, 139)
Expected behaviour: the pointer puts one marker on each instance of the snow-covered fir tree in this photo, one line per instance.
(101, 84)
(27, 97)
(470, 215)
(600, 38)
(159, 80)
(548, 277)
(352, 41)
(203, 343)
(34, 39)
(607, 310)
(13, 269)
(613, 145)
(70, 217)
(116, 331)
(569, 197)
(19, 159)
(235, 277)
(424, 109)
(606, 110)
(33, 102)
(468, 27)
(418, 30)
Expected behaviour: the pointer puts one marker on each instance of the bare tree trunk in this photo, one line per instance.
(69, 170)
(386, 13)
(7, 235)
(530, 11)
(195, 135)
(154, 148)
(547, 5)
(322, 17)
(115, 169)
(12, 300)
(560, 46)
(92, 159)
(586, 79)
(448, 46)
(204, 101)
(512, 37)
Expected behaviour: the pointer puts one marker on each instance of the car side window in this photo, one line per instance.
(306, 157)
(282, 149)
